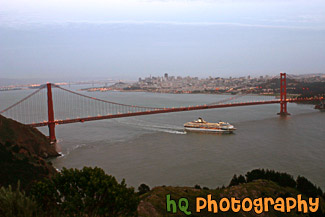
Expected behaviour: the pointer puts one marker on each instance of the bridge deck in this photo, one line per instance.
(167, 110)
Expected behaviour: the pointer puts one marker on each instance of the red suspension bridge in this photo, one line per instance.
(52, 105)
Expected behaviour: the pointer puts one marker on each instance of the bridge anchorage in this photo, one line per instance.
(58, 106)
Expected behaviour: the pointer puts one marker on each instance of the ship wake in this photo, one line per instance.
(134, 122)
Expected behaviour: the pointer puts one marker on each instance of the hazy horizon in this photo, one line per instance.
(87, 39)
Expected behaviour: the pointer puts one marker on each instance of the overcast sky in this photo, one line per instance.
(133, 38)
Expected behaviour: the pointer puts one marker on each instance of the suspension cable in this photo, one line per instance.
(22, 100)
(106, 101)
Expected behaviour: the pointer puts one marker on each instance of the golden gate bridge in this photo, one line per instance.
(52, 105)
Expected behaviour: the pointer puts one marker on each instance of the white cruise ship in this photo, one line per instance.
(203, 126)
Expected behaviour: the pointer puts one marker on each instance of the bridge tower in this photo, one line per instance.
(283, 95)
(50, 110)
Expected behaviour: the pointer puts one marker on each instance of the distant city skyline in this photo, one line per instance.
(56, 39)
(19, 82)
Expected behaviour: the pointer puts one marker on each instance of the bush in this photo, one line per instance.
(237, 180)
(282, 179)
(233, 181)
(143, 188)
(241, 179)
(308, 188)
(14, 203)
(86, 192)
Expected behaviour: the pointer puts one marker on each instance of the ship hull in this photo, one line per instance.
(198, 129)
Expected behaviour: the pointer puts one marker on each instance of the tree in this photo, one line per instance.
(241, 179)
(233, 181)
(308, 188)
(282, 179)
(86, 192)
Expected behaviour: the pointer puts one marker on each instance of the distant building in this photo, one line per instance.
(166, 76)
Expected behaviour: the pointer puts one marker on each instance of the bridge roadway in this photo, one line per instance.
(169, 110)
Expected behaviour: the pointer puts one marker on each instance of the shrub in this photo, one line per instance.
(14, 203)
(86, 192)
(143, 188)
(241, 179)
(282, 179)
(233, 181)
(237, 180)
(308, 188)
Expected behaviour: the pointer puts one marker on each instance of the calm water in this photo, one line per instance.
(155, 150)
